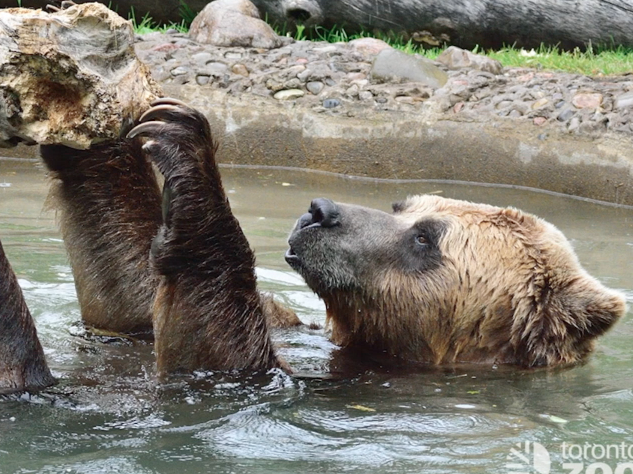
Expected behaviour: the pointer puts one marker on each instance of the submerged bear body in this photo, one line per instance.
(443, 281)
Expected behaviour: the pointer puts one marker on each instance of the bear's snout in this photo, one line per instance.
(323, 212)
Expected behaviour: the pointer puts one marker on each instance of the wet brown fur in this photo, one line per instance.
(109, 206)
(208, 313)
(510, 290)
(22, 362)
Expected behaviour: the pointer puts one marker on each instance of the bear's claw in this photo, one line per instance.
(169, 101)
(146, 128)
(162, 111)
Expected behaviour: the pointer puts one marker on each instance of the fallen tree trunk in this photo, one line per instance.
(70, 77)
(463, 23)
(467, 23)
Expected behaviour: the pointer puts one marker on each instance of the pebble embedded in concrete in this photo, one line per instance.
(289, 94)
(310, 69)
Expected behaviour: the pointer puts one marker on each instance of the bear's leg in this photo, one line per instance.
(208, 313)
(22, 362)
(108, 202)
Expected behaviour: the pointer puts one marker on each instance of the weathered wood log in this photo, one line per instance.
(70, 77)
(464, 23)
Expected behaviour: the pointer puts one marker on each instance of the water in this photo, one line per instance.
(108, 415)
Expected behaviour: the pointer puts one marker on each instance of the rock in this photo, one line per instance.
(202, 80)
(213, 68)
(457, 58)
(538, 121)
(234, 23)
(70, 77)
(368, 46)
(574, 125)
(587, 100)
(395, 66)
(202, 58)
(314, 87)
(624, 100)
(331, 103)
(540, 103)
(240, 70)
(365, 95)
(289, 94)
(565, 115)
(179, 71)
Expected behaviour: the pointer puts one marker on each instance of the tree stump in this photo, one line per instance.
(70, 77)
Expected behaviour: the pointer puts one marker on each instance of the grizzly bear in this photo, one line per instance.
(438, 281)
(443, 281)
(22, 362)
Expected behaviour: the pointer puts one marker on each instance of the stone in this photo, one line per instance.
(179, 71)
(538, 121)
(213, 69)
(331, 103)
(624, 100)
(202, 80)
(289, 94)
(395, 66)
(565, 115)
(365, 95)
(540, 103)
(368, 46)
(315, 87)
(234, 23)
(574, 125)
(202, 58)
(71, 77)
(457, 58)
(587, 100)
(240, 70)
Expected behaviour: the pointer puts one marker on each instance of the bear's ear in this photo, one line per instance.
(591, 307)
(399, 206)
(566, 319)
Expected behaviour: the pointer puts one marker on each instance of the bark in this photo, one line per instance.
(466, 23)
(70, 77)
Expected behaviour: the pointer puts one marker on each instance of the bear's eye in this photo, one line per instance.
(421, 240)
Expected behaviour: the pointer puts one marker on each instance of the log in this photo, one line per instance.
(463, 23)
(467, 23)
(70, 77)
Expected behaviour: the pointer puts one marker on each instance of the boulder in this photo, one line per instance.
(234, 23)
(395, 66)
(70, 77)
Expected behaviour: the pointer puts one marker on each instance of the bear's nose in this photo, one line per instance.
(323, 212)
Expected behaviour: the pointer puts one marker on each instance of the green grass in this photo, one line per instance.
(148, 25)
(592, 61)
(602, 62)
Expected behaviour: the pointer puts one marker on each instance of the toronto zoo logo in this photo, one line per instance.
(530, 457)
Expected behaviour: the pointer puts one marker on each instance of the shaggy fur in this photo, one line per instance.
(208, 313)
(22, 362)
(109, 207)
(443, 281)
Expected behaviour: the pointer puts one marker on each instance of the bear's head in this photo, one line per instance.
(444, 281)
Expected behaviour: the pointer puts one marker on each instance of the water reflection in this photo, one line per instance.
(109, 415)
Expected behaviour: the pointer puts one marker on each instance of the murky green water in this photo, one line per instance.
(108, 415)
